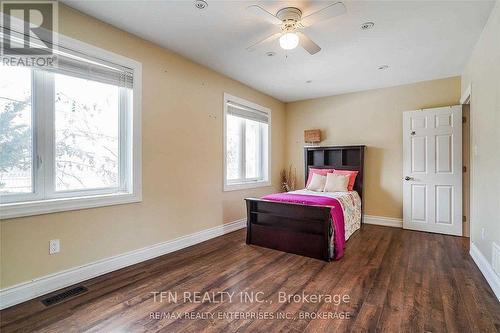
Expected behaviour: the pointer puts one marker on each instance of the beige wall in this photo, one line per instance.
(182, 165)
(373, 118)
(483, 74)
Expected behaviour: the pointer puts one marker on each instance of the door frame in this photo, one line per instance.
(466, 99)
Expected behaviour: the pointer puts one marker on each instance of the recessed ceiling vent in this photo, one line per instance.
(367, 25)
(62, 296)
(200, 4)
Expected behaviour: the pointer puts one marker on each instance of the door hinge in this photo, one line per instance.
(464, 120)
(464, 169)
(464, 218)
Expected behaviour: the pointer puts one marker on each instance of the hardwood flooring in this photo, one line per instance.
(396, 281)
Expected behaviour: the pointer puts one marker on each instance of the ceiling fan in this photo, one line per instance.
(291, 22)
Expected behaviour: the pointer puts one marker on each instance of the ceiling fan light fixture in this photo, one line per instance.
(289, 41)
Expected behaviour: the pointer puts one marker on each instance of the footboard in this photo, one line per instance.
(289, 227)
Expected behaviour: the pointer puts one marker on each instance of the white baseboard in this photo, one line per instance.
(382, 220)
(485, 268)
(40, 286)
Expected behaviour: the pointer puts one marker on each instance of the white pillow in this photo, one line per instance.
(317, 183)
(336, 183)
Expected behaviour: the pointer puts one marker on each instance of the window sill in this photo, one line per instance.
(244, 186)
(29, 208)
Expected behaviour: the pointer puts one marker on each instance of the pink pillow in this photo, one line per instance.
(322, 172)
(352, 177)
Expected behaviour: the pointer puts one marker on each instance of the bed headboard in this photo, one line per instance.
(337, 157)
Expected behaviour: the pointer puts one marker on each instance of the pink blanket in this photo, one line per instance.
(336, 213)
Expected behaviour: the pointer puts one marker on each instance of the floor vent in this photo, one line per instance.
(64, 295)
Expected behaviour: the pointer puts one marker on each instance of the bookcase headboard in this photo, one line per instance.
(337, 157)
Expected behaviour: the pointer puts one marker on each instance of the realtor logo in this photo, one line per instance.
(28, 32)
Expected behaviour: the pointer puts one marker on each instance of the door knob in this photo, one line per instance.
(408, 178)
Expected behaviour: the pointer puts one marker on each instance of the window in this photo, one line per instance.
(86, 134)
(69, 134)
(16, 131)
(246, 144)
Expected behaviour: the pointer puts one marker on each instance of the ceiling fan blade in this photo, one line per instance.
(252, 48)
(258, 11)
(308, 44)
(335, 9)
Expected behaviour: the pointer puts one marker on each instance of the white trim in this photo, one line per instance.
(267, 173)
(485, 268)
(246, 185)
(474, 252)
(57, 202)
(465, 99)
(384, 221)
(40, 286)
(30, 208)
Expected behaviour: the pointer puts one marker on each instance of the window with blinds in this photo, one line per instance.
(70, 131)
(77, 64)
(246, 158)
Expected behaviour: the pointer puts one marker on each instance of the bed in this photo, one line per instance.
(311, 223)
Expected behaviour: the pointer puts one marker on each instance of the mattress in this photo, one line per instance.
(351, 207)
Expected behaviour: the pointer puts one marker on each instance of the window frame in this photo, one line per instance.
(241, 184)
(129, 190)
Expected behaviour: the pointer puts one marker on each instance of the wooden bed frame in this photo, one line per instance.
(297, 228)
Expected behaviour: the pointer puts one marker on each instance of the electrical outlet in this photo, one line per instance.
(54, 246)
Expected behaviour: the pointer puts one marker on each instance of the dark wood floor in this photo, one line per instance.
(397, 281)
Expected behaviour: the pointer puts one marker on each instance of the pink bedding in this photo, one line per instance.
(336, 212)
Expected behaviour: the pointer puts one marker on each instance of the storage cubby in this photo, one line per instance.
(318, 157)
(333, 157)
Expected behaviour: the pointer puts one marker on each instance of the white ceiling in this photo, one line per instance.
(419, 40)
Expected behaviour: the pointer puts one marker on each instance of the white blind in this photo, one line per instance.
(76, 63)
(246, 112)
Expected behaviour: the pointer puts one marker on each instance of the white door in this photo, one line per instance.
(432, 170)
